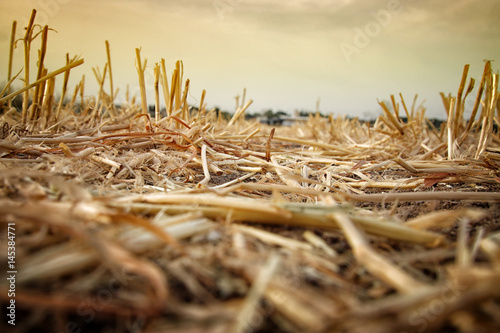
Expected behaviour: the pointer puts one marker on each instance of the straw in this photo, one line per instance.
(27, 48)
(71, 65)
(192, 222)
(111, 87)
(141, 67)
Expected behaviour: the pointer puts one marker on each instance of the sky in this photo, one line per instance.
(346, 54)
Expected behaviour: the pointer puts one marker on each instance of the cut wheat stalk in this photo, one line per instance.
(201, 108)
(36, 107)
(206, 172)
(164, 83)
(99, 102)
(66, 258)
(157, 92)
(172, 104)
(11, 56)
(283, 176)
(393, 120)
(311, 216)
(64, 90)
(319, 243)
(329, 147)
(374, 262)
(426, 196)
(261, 282)
(486, 72)
(210, 200)
(27, 48)
(273, 239)
(238, 113)
(458, 112)
(111, 106)
(141, 67)
(450, 130)
(443, 219)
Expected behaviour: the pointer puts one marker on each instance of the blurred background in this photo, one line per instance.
(340, 55)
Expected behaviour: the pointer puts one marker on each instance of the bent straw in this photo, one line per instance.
(43, 79)
(206, 173)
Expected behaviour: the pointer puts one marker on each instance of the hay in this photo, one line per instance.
(188, 222)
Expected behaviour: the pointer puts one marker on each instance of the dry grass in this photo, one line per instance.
(189, 223)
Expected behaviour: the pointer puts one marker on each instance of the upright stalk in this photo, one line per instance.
(27, 48)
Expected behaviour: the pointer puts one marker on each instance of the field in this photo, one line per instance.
(118, 219)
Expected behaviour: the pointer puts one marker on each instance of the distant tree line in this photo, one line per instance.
(269, 116)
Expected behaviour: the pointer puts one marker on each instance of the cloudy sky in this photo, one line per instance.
(287, 54)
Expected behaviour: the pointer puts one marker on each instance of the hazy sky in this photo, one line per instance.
(287, 54)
